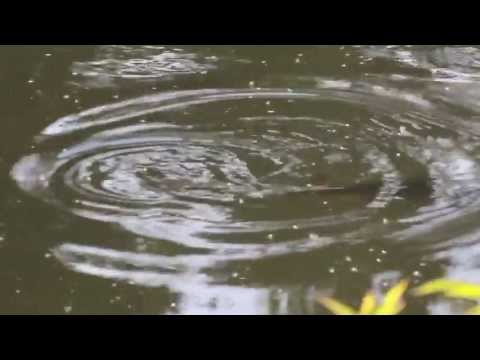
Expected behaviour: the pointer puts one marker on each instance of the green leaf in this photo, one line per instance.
(449, 288)
(393, 302)
(336, 307)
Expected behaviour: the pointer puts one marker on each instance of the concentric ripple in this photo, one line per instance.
(233, 174)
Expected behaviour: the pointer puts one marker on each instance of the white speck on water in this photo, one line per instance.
(173, 305)
(314, 163)
(271, 111)
(67, 309)
(422, 264)
(344, 65)
(48, 255)
(313, 236)
(241, 201)
(270, 236)
(295, 227)
(354, 269)
(325, 203)
(268, 103)
(18, 291)
(235, 275)
(116, 96)
(251, 84)
(331, 270)
(417, 273)
(378, 260)
(371, 250)
(348, 259)
(31, 81)
(48, 54)
(66, 96)
(309, 185)
(398, 154)
(114, 284)
(264, 62)
(385, 221)
(74, 73)
(384, 252)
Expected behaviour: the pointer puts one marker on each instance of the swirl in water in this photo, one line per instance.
(228, 175)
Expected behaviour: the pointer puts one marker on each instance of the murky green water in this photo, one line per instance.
(235, 179)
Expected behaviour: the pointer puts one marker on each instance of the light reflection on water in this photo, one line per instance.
(376, 145)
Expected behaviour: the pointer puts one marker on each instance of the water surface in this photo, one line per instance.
(235, 179)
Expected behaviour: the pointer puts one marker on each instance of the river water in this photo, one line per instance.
(235, 179)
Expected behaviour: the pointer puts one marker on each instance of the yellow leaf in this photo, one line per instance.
(336, 307)
(450, 288)
(368, 303)
(473, 311)
(393, 302)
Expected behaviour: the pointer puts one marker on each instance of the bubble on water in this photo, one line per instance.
(67, 309)
(354, 269)
(331, 270)
(270, 236)
(348, 259)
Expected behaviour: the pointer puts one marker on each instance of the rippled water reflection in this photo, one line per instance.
(247, 179)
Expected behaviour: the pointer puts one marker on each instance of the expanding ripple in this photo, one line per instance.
(224, 175)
